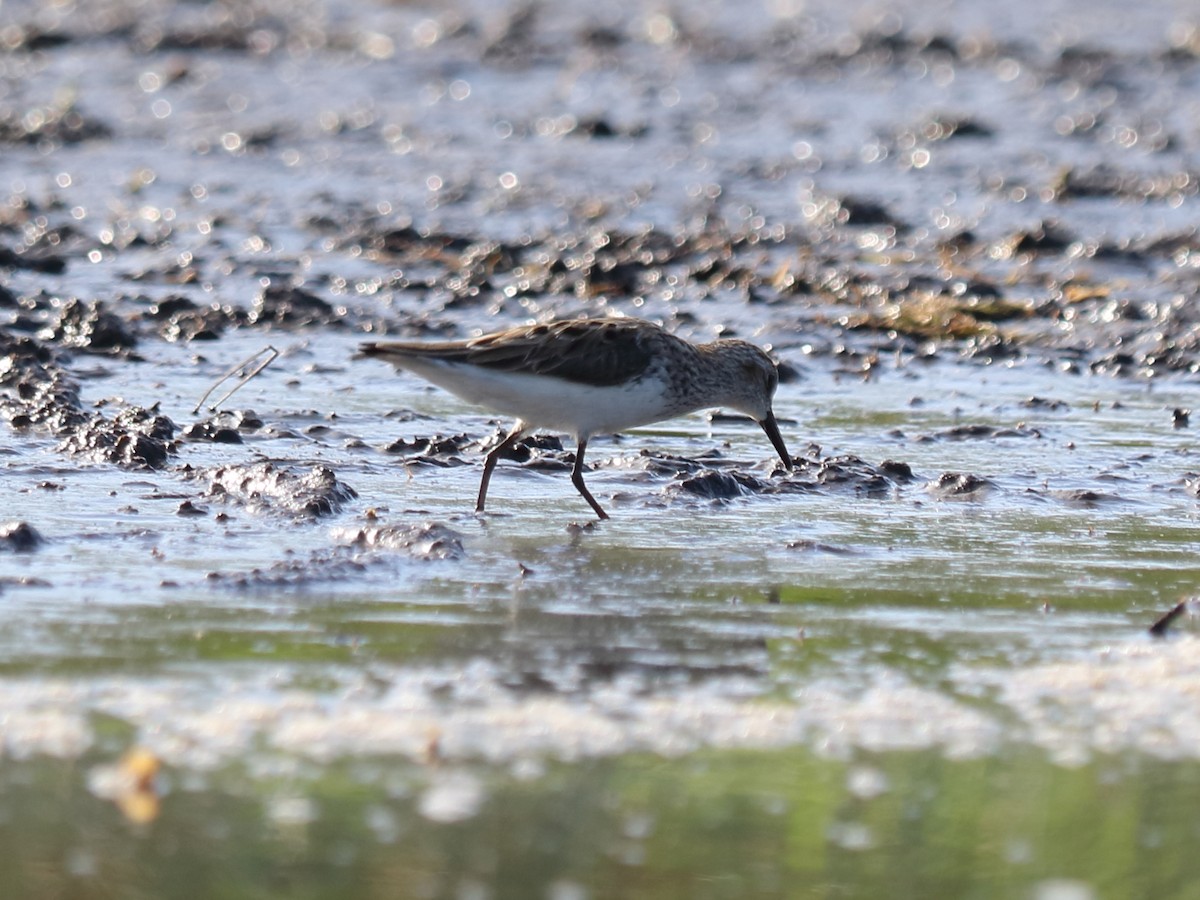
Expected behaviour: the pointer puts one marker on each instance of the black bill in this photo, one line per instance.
(771, 427)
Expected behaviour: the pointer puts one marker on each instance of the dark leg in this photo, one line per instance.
(490, 462)
(577, 479)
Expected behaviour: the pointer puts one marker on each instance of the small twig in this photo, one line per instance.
(245, 370)
(1159, 628)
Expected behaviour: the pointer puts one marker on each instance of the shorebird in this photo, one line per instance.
(592, 376)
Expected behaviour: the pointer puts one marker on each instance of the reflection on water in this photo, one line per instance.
(710, 826)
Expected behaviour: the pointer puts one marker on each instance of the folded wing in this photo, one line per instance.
(587, 351)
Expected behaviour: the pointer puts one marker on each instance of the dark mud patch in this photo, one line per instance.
(538, 451)
(320, 566)
(808, 475)
(20, 537)
(1084, 498)
(659, 463)
(212, 432)
(114, 325)
(712, 485)
(178, 318)
(979, 432)
(24, 581)
(58, 124)
(1045, 404)
(1108, 181)
(188, 508)
(810, 546)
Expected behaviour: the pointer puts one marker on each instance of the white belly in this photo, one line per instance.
(550, 403)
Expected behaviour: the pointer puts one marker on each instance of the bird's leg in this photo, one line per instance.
(489, 462)
(577, 479)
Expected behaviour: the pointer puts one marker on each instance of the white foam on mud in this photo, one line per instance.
(42, 719)
(1141, 697)
(406, 713)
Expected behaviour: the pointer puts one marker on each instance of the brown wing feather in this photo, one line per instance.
(593, 351)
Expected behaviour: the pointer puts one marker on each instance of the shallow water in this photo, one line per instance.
(844, 681)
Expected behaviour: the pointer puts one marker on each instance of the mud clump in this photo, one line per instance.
(293, 307)
(34, 261)
(209, 430)
(852, 472)
(1084, 498)
(20, 537)
(40, 393)
(980, 432)
(864, 478)
(136, 437)
(89, 326)
(437, 450)
(226, 427)
(264, 486)
(320, 566)
(713, 485)
(899, 472)
(664, 464)
(430, 540)
(63, 124)
(1109, 182)
(810, 546)
(179, 319)
(960, 486)
(1045, 404)
(535, 448)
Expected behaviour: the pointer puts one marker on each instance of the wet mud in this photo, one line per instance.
(851, 275)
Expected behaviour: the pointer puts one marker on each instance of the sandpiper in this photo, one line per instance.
(592, 376)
